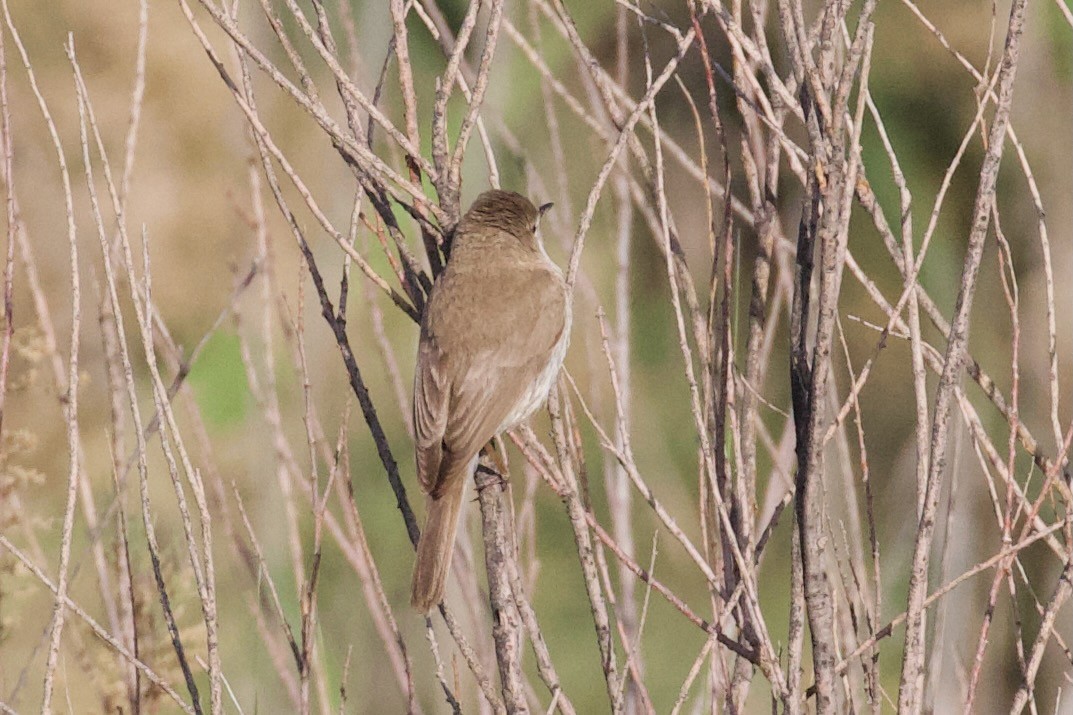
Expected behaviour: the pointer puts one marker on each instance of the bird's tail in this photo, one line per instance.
(435, 548)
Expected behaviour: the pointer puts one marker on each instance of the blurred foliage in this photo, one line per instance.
(219, 381)
(191, 192)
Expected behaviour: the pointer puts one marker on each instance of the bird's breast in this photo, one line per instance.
(536, 394)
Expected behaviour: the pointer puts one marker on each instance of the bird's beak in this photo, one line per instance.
(544, 209)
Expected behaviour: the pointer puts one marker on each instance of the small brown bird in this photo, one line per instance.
(493, 338)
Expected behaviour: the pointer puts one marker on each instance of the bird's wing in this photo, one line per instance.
(431, 403)
(461, 417)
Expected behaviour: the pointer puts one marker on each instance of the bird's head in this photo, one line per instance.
(498, 211)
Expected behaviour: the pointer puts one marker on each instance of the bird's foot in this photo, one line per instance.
(487, 475)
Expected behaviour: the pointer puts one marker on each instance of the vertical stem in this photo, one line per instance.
(911, 686)
(576, 512)
(497, 529)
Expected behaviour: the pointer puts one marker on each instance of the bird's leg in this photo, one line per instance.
(491, 464)
(496, 450)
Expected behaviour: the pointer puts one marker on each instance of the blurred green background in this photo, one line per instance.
(191, 192)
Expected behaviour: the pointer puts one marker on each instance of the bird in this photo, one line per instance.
(494, 334)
